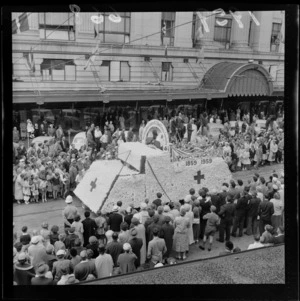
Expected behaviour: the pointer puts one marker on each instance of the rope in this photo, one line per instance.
(158, 180)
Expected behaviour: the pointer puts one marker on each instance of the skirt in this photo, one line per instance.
(181, 242)
(56, 187)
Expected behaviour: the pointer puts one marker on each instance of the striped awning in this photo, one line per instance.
(238, 79)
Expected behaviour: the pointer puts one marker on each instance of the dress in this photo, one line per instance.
(273, 151)
(19, 188)
(190, 215)
(181, 238)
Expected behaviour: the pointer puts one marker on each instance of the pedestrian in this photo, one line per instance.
(252, 214)
(114, 248)
(267, 236)
(23, 270)
(84, 267)
(124, 235)
(181, 239)
(196, 220)
(103, 263)
(226, 214)
(213, 221)
(54, 234)
(128, 215)
(158, 201)
(278, 204)
(70, 238)
(272, 150)
(60, 245)
(157, 246)
(61, 263)
(265, 212)
(190, 215)
(136, 246)
(115, 219)
(41, 279)
(89, 228)
(126, 260)
(36, 251)
(69, 213)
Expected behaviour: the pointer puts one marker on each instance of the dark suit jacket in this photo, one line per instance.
(136, 245)
(241, 206)
(89, 227)
(42, 281)
(253, 207)
(227, 212)
(266, 210)
(65, 146)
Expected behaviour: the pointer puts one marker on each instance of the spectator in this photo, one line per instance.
(50, 257)
(211, 227)
(143, 214)
(60, 245)
(23, 270)
(161, 217)
(84, 267)
(267, 237)
(205, 203)
(156, 246)
(36, 251)
(228, 248)
(114, 248)
(140, 228)
(226, 214)
(126, 260)
(77, 224)
(115, 220)
(278, 204)
(89, 228)
(136, 245)
(64, 277)
(128, 216)
(61, 263)
(104, 263)
(25, 238)
(256, 244)
(154, 224)
(167, 232)
(124, 235)
(149, 220)
(252, 214)
(181, 239)
(70, 238)
(158, 201)
(41, 279)
(265, 212)
(78, 246)
(93, 245)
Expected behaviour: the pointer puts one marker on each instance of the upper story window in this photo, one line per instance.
(58, 70)
(115, 71)
(222, 31)
(167, 72)
(110, 32)
(57, 26)
(168, 22)
(275, 37)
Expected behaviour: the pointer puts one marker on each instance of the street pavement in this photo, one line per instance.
(34, 214)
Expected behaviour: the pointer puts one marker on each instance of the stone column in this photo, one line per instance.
(240, 35)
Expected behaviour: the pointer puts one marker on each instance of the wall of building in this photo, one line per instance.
(142, 24)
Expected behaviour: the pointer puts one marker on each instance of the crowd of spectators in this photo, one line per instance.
(157, 233)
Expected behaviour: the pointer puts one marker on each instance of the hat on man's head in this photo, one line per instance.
(71, 230)
(115, 208)
(93, 239)
(168, 218)
(21, 256)
(42, 269)
(143, 206)
(60, 252)
(213, 191)
(166, 208)
(35, 240)
(135, 221)
(275, 187)
(126, 246)
(69, 199)
(133, 232)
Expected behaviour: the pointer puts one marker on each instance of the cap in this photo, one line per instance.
(42, 269)
(126, 246)
(69, 199)
(60, 252)
(115, 208)
(35, 240)
(133, 232)
(93, 239)
(143, 205)
(21, 256)
(168, 218)
(187, 199)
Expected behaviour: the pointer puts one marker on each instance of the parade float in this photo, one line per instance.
(142, 170)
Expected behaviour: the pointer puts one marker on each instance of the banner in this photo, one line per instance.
(20, 24)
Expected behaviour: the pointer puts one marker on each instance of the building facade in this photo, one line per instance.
(146, 64)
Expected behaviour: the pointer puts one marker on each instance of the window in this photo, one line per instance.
(275, 37)
(167, 72)
(57, 26)
(168, 21)
(58, 70)
(115, 71)
(110, 32)
(222, 33)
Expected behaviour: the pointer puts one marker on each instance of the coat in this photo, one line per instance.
(136, 245)
(140, 228)
(89, 228)
(167, 235)
(227, 213)
(19, 188)
(126, 262)
(104, 265)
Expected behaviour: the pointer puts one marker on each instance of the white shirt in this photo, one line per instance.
(98, 133)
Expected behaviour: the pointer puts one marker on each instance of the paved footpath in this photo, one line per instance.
(33, 215)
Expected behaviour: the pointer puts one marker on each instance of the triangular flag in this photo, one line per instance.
(20, 24)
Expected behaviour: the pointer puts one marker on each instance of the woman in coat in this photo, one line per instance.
(181, 238)
(19, 187)
(141, 233)
(190, 215)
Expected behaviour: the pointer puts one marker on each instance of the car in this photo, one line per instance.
(41, 139)
(214, 130)
(79, 140)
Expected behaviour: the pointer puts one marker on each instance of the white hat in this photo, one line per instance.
(275, 187)
(143, 205)
(69, 199)
(35, 240)
(187, 199)
(61, 252)
(274, 179)
(128, 209)
(115, 208)
(126, 246)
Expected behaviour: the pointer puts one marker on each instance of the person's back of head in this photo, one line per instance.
(255, 179)
(151, 212)
(18, 246)
(89, 253)
(24, 229)
(155, 232)
(257, 237)
(124, 226)
(119, 203)
(87, 214)
(83, 255)
(73, 252)
(115, 236)
(236, 250)
(160, 209)
(159, 195)
(232, 183)
(281, 229)
(229, 245)
(240, 182)
(101, 249)
(192, 191)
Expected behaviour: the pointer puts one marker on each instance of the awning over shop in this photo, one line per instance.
(238, 79)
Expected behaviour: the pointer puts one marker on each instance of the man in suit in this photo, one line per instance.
(41, 279)
(226, 214)
(252, 209)
(265, 212)
(89, 228)
(136, 245)
(64, 144)
(240, 213)
(115, 220)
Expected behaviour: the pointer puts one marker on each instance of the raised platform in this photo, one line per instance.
(259, 266)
